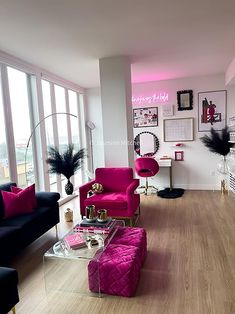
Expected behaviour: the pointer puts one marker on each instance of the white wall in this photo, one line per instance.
(198, 170)
(94, 114)
(230, 73)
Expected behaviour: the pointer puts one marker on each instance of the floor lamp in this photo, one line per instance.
(91, 127)
(32, 133)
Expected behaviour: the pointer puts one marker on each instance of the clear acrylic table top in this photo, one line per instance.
(61, 250)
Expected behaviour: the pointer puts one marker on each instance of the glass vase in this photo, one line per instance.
(223, 166)
(223, 169)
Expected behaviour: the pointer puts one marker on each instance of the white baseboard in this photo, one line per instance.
(66, 199)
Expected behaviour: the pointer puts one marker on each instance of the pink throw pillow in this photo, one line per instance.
(15, 204)
(30, 190)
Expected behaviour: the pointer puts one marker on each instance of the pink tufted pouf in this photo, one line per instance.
(118, 270)
(132, 236)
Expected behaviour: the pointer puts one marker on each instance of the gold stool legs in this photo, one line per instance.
(146, 187)
(13, 310)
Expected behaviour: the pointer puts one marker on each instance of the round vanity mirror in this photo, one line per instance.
(146, 144)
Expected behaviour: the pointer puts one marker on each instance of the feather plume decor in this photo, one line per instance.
(66, 163)
(218, 142)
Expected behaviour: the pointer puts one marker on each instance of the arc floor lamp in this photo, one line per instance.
(33, 131)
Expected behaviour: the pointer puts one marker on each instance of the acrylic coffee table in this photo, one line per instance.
(66, 269)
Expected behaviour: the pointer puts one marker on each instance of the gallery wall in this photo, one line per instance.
(199, 168)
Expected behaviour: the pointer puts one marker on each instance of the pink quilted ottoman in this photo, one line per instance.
(132, 236)
(118, 269)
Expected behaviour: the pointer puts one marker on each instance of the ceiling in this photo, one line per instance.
(164, 39)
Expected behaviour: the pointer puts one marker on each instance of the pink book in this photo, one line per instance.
(75, 241)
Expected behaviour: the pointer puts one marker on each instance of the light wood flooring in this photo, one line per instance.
(190, 267)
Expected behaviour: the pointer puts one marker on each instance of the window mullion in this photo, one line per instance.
(69, 132)
(55, 129)
(42, 166)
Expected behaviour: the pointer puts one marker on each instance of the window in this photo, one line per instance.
(46, 93)
(25, 101)
(21, 124)
(73, 106)
(4, 167)
(61, 118)
(62, 128)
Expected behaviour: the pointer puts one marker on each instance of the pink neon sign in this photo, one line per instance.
(155, 98)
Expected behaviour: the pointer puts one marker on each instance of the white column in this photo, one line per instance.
(115, 80)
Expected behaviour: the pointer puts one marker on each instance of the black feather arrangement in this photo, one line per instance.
(217, 142)
(66, 163)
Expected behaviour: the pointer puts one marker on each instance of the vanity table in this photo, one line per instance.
(166, 163)
(147, 144)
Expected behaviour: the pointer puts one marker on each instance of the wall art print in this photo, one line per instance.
(212, 110)
(145, 117)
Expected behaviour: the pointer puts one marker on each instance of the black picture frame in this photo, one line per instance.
(185, 100)
(145, 117)
(137, 144)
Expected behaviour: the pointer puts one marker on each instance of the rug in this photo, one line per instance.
(170, 193)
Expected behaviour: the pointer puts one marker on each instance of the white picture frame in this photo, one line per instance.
(167, 110)
(175, 130)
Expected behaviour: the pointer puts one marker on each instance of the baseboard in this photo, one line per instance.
(66, 199)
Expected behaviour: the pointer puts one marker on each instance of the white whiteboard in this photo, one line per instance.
(178, 130)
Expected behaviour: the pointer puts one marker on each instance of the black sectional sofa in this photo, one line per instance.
(8, 287)
(19, 231)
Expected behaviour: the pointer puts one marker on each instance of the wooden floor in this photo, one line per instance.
(190, 267)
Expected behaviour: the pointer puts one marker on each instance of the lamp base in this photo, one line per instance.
(170, 193)
(223, 187)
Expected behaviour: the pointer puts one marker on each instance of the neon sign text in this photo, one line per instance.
(155, 98)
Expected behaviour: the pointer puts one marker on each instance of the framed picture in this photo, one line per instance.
(185, 99)
(212, 110)
(145, 117)
(167, 110)
(178, 130)
(179, 156)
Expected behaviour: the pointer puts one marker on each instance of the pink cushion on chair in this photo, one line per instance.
(118, 270)
(31, 193)
(18, 203)
(108, 200)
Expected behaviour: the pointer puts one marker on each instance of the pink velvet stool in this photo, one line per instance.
(132, 236)
(118, 270)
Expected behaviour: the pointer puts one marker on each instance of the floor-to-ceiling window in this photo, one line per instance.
(4, 166)
(62, 123)
(75, 134)
(18, 89)
(49, 130)
(23, 105)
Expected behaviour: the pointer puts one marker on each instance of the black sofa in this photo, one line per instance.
(19, 231)
(8, 287)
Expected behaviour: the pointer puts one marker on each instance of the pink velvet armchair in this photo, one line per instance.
(118, 197)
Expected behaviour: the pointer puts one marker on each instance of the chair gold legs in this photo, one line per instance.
(13, 310)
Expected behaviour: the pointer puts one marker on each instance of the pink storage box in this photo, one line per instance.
(118, 269)
(132, 236)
